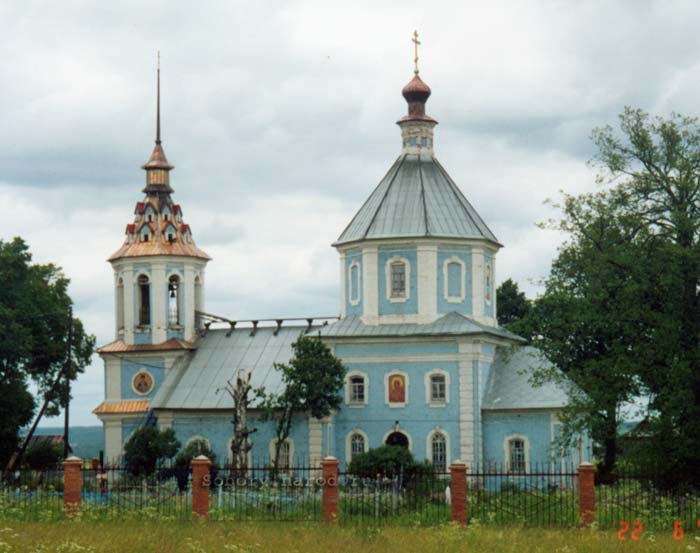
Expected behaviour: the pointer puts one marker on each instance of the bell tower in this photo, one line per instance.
(158, 270)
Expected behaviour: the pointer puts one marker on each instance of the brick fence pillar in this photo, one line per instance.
(72, 484)
(200, 486)
(329, 467)
(586, 494)
(458, 491)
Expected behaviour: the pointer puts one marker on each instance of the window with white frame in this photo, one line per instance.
(438, 450)
(357, 445)
(356, 389)
(398, 279)
(517, 461)
(454, 280)
(285, 457)
(438, 388)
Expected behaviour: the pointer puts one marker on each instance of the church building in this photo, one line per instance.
(429, 368)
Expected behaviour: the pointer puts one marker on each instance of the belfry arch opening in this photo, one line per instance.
(397, 439)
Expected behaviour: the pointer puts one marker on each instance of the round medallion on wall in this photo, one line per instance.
(142, 382)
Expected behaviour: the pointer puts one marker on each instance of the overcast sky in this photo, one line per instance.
(281, 120)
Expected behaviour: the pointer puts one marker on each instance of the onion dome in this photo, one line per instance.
(416, 93)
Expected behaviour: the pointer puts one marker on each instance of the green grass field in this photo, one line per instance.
(78, 536)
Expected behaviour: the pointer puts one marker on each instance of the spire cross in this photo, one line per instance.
(416, 43)
(158, 104)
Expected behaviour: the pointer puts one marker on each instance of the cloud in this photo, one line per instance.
(280, 121)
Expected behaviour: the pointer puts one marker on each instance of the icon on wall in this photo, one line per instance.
(143, 382)
(397, 388)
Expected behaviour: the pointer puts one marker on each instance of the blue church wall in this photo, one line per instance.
(417, 418)
(365, 350)
(465, 256)
(219, 431)
(536, 427)
(410, 306)
(129, 367)
(175, 334)
(142, 338)
(353, 286)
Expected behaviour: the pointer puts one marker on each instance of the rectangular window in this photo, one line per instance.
(438, 391)
(398, 280)
(517, 456)
(145, 305)
(357, 389)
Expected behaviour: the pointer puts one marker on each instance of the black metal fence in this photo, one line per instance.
(31, 494)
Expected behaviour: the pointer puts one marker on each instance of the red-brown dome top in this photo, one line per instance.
(416, 90)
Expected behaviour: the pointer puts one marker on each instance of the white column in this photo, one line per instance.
(113, 378)
(159, 290)
(343, 285)
(427, 283)
(478, 284)
(113, 439)
(315, 441)
(370, 285)
(116, 304)
(467, 435)
(129, 305)
(189, 302)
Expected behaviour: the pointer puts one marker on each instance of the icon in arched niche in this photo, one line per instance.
(143, 382)
(397, 388)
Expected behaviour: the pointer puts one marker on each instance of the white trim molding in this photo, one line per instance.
(354, 301)
(348, 389)
(386, 388)
(429, 388)
(387, 274)
(506, 451)
(446, 280)
(429, 445)
(348, 443)
(229, 454)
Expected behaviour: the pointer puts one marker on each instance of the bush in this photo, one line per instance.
(386, 461)
(184, 458)
(43, 454)
(146, 447)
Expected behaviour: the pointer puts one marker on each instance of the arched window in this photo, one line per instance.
(174, 301)
(357, 445)
(454, 279)
(144, 294)
(354, 285)
(438, 451)
(120, 305)
(198, 300)
(286, 453)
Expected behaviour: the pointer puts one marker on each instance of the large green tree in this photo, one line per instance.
(313, 380)
(34, 306)
(513, 308)
(654, 164)
(594, 315)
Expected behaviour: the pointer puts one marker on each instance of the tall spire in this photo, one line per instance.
(157, 168)
(158, 104)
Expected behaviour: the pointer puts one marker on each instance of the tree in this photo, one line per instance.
(148, 446)
(239, 390)
(513, 308)
(593, 317)
(34, 306)
(386, 461)
(312, 381)
(43, 454)
(654, 164)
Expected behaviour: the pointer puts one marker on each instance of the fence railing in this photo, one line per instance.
(541, 496)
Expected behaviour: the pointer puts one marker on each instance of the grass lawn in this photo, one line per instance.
(159, 536)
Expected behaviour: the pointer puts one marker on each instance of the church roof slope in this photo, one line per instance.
(220, 354)
(451, 324)
(509, 384)
(416, 199)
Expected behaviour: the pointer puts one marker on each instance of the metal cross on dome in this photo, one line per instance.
(416, 43)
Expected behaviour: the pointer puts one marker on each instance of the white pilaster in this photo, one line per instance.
(370, 285)
(189, 302)
(159, 290)
(478, 284)
(113, 439)
(113, 378)
(315, 441)
(427, 283)
(343, 284)
(129, 304)
(467, 434)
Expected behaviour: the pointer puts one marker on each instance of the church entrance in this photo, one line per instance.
(397, 438)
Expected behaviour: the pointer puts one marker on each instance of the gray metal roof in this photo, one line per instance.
(509, 385)
(218, 357)
(416, 199)
(451, 324)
